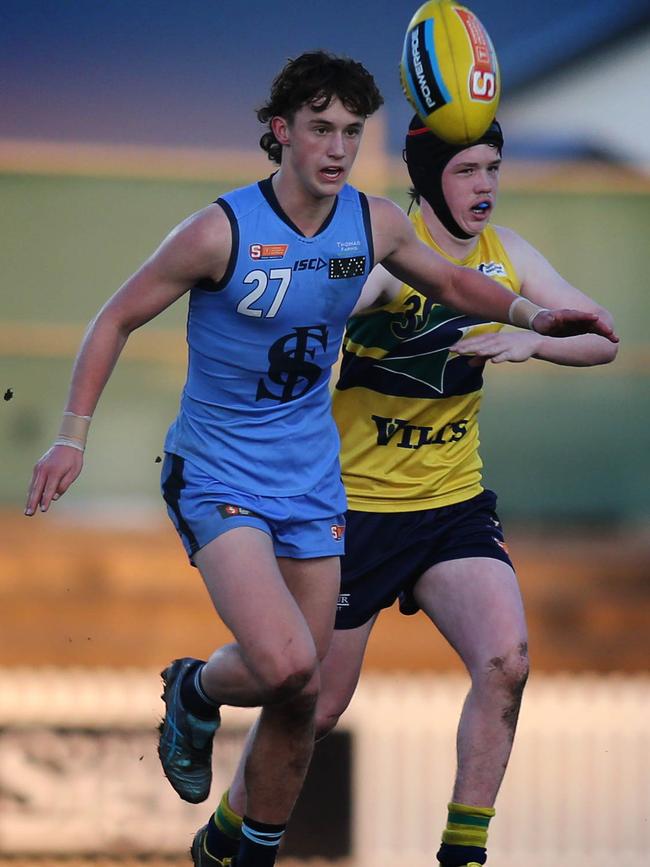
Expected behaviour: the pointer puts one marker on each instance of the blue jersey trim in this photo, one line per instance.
(172, 487)
(266, 188)
(234, 246)
(367, 224)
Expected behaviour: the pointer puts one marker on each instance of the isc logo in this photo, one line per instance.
(309, 264)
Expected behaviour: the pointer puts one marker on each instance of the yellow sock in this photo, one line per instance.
(467, 825)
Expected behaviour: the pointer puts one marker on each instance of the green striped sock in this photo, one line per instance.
(467, 825)
(226, 819)
(224, 830)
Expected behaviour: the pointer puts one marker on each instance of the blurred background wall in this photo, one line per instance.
(118, 119)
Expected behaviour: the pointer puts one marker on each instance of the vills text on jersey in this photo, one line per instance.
(398, 432)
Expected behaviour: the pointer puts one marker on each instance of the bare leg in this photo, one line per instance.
(237, 789)
(476, 605)
(281, 620)
(339, 675)
(339, 672)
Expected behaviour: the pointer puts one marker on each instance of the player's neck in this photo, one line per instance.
(457, 248)
(306, 210)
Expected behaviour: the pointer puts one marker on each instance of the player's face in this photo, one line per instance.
(321, 146)
(470, 182)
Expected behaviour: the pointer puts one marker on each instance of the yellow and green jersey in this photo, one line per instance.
(406, 407)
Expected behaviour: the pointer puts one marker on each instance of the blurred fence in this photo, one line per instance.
(79, 772)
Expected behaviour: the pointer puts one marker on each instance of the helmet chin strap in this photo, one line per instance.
(426, 156)
(429, 187)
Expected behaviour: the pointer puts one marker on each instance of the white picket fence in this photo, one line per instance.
(577, 791)
(79, 771)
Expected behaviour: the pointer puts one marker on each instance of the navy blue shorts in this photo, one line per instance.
(386, 552)
(202, 508)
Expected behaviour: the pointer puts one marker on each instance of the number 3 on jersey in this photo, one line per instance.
(277, 280)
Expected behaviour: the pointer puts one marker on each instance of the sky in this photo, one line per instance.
(191, 72)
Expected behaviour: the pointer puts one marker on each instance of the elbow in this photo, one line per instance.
(111, 318)
(107, 329)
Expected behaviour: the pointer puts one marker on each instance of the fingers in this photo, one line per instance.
(605, 330)
(49, 492)
(479, 355)
(495, 357)
(516, 347)
(479, 350)
(65, 483)
(471, 346)
(570, 323)
(578, 315)
(52, 477)
(562, 323)
(35, 490)
(482, 346)
(42, 490)
(506, 355)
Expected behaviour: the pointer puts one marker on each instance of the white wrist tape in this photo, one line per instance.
(522, 312)
(73, 431)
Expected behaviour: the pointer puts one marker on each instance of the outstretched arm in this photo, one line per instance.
(542, 284)
(197, 248)
(464, 289)
(584, 350)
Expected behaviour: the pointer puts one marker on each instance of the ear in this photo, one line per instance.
(280, 129)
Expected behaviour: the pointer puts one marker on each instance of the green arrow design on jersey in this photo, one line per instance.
(416, 345)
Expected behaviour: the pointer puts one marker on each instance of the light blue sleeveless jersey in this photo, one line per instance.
(255, 410)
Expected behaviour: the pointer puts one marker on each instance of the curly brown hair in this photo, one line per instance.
(317, 77)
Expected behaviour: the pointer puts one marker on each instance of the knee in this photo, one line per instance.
(332, 704)
(510, 670)
(325, 722)
(292, 679)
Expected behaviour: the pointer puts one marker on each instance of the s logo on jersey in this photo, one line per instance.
(289, 367)
(268, 251)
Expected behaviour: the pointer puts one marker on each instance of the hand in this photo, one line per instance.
(569, 323)
(52, 476)
(510, 346)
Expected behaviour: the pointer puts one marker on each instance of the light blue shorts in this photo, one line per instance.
(202, 508)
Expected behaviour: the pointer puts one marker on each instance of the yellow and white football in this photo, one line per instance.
(449, 71)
